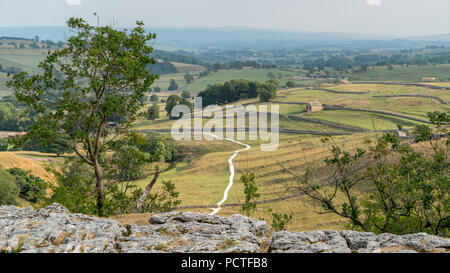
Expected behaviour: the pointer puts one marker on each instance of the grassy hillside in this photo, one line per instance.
(202, 180)
(29, 161)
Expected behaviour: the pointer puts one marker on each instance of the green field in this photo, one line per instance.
(25, 59)
(412, 73)
(226, 75)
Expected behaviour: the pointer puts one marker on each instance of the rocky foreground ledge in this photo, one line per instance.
(55, 229)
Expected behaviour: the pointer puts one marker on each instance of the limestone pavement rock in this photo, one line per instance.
(55, 229)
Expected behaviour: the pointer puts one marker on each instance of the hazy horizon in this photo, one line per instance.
(399, 18)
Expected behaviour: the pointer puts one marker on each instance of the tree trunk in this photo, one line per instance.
(147, 190)
(99, 187)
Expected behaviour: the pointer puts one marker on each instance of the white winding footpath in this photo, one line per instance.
(230, 163)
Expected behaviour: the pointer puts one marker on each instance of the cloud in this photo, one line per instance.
(374, 2)
(73, 2)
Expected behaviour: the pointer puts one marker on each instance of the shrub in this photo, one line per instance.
(9, 191)
(173, 85)
(280, 221)
(32, 188)
(75, 189)
(290, 84)
(186, 94)
(154, 98)
(410, 185)
(153, 111)
(251, 193)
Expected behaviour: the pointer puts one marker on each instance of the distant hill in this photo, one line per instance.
(237, 38)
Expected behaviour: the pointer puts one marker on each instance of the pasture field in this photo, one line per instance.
(25, 59)
(416, 107)
(411, 73)
(202, 180)
(164, 81)
(369, 121)
(221, 76)
(183, 68)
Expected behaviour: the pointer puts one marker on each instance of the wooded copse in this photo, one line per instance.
(235, 90)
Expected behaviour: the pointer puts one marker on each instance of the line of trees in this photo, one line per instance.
(235, 90)
(240, 65)
(340, 63)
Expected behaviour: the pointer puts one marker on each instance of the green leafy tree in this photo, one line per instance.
(161, 148)
(173, 85)
(290, 84)
(102, 72)
(154, 97)
(153, 111)
(128, 163)
(131, 162)
(76, 182)
(251, 193)
(32, 188)
(4, 144)
(175, 100)
(171, 102)
(267, 92)
(75, 189)
(274, 82)
(162, 201)
(189, 78)
(280, 221)
(410, 184)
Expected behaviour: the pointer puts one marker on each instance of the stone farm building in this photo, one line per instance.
(403, 132)
(314, 106)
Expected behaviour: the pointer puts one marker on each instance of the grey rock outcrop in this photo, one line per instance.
(55, 229)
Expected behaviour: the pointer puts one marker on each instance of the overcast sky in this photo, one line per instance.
(404, 17)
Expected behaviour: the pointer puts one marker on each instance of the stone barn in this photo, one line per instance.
(403, 132)
(344, 81)
(314, 106)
